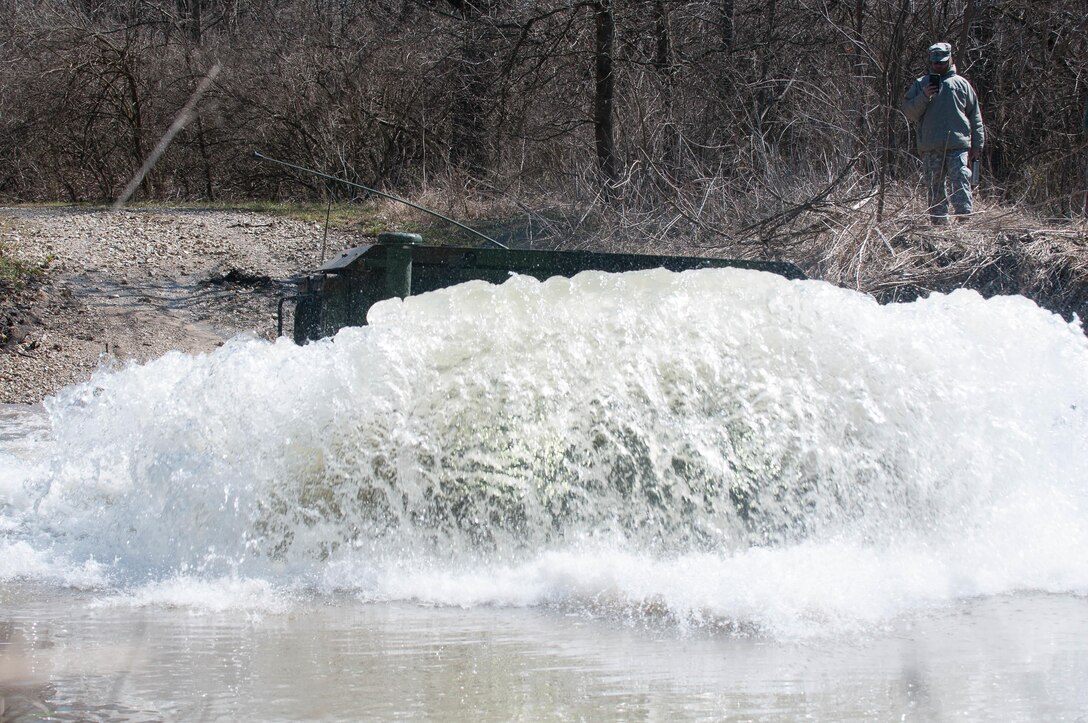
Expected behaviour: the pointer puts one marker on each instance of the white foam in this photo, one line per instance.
(19, 560)
(253, 596)
(720, 445)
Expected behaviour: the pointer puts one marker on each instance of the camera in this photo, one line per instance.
(935, 79)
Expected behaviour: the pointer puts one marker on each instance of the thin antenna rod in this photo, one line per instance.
(380, 193)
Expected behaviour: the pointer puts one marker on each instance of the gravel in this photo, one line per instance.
(132, 285)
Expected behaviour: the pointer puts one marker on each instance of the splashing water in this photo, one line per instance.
(717, 447)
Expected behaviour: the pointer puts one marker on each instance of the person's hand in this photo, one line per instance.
(973, 154)
(929, 90)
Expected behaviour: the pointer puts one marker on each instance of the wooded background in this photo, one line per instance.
(712, 109)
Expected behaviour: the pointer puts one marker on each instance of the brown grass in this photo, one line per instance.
(828, 224)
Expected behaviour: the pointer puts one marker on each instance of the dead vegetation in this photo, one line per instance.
(734, 128)
(833, 225)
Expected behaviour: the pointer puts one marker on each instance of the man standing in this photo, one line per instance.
(950, 132)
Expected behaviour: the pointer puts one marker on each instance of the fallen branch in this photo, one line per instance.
(777, 220)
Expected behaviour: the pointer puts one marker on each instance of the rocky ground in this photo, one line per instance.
(135, 284)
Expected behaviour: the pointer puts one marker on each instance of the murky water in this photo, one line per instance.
(710, 495)
(80, 656)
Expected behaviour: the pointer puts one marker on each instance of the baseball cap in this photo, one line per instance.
(940, 52)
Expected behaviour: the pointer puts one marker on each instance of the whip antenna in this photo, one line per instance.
(391, 197)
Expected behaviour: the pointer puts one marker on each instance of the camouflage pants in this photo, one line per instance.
(947, 170)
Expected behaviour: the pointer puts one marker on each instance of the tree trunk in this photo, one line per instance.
(965, 29)
(470, 147)
(604, 94)
(189, 20)
(728, 25)
(664, 66)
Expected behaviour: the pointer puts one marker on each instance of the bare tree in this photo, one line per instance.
(727, 104)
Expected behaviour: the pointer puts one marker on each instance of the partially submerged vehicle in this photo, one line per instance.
(341, 292)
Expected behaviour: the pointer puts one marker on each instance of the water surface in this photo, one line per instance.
(703, 495)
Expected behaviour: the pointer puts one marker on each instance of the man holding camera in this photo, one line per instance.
(950, 132)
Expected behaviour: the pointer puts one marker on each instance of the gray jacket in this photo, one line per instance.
(949, 120)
